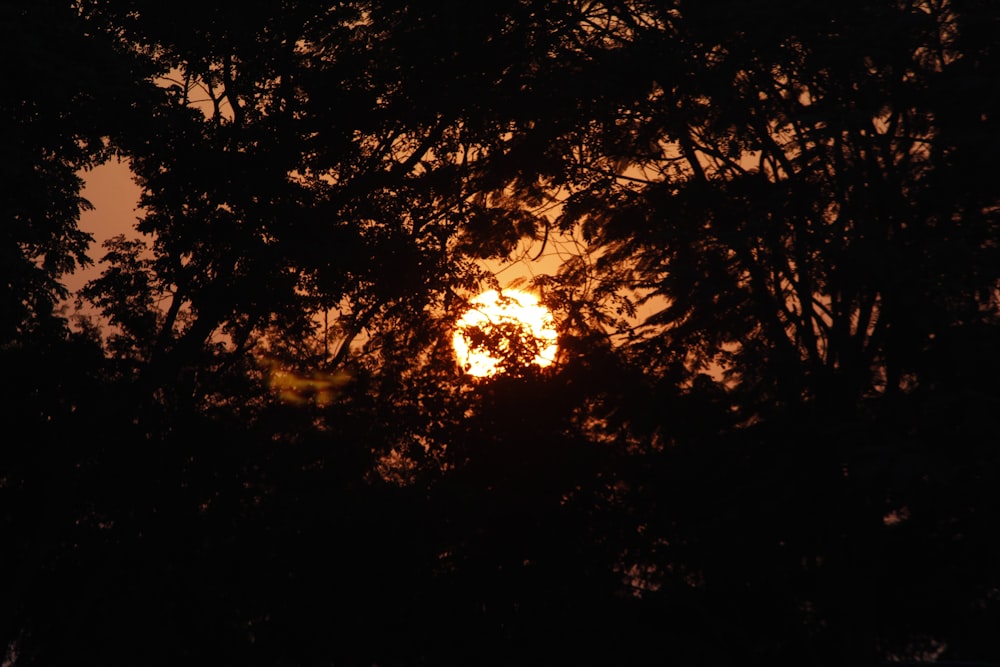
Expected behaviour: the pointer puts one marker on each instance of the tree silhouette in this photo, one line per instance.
(767, 437)
(778, 186)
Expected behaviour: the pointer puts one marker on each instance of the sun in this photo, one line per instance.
(502, 331)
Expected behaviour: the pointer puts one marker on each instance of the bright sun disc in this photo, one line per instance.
(513, 311)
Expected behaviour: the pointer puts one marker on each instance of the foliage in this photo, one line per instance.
(767, 437)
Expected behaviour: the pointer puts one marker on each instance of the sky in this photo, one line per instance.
(115, 196)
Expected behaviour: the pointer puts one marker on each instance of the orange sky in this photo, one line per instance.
(110, 189)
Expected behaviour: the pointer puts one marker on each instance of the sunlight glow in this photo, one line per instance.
(504, 329)
(316, 388)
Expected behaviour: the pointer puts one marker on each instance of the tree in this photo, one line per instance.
(292, 468)
(779, 188)
(783, 188)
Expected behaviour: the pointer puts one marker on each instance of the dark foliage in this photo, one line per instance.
(769, 437)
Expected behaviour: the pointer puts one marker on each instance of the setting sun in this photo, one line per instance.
(504, 330)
